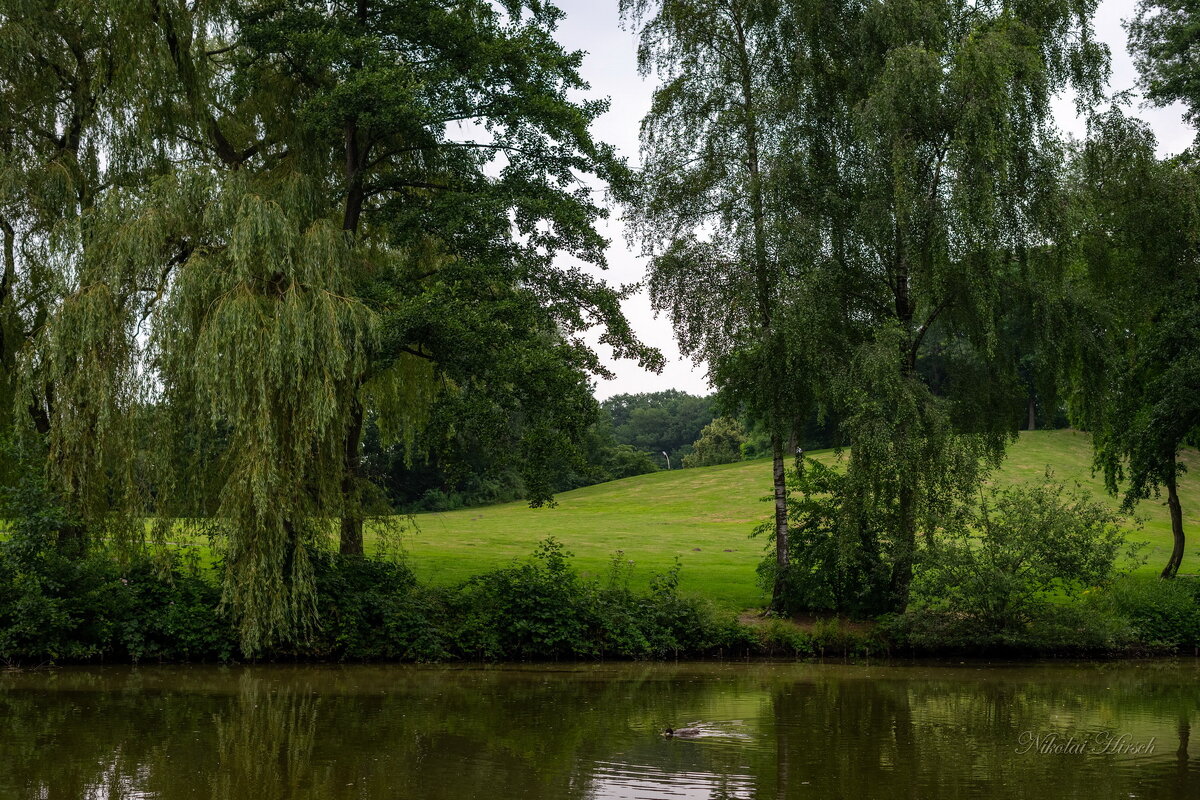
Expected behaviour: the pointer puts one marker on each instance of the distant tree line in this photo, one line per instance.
(453, 465)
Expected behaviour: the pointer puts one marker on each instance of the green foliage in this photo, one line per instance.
(1071, 628)
(999, 564)
(471, 457)
(232, 231)
(835, 554)
(59, 606)
(777, 637)
(55, 609)
(729, 251)
(1165, 613)
(89, 609)
(1134, 340)
(658, 422)
(529, 610)
(625, 461)
(276, 301)
(994, 565)
(818, 432)
(832, 193)
(1161, 38)
(926, 154)
(720, 443)
(542, 609)
(168, 614)
(372, 608)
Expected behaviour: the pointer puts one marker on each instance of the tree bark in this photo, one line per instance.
(351, 537)
(1032, 413)
(781, 521)
(7, 278)
(1176, 511)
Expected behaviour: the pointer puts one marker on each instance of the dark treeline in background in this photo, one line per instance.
(454, 464)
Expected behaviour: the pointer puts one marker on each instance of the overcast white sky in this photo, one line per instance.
(610, 66)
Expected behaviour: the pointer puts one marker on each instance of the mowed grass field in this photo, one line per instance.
(704, 516)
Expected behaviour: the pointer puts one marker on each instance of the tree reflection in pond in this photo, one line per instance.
(593, 731)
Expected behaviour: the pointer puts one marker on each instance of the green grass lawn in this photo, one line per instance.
(705, 515)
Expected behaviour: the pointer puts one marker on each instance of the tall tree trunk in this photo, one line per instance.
(765, 296)
(351, 538)
(781, 521)
(7, 278)
(906, 526)
(1176, 511)
(1032, 413)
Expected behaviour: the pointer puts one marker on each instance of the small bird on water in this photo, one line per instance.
(681, 733)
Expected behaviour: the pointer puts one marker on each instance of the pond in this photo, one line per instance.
(825, 731)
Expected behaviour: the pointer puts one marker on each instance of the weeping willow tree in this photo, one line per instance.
(152, 254)
(261, 335)
(70, 296)
(232, 229)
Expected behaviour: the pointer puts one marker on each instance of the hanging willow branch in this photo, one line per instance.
(260, 335)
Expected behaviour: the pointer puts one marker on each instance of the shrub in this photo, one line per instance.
(827, 572)
(675, 625)
(373, 608)
(1165, 613)
(89, 608)
(167, 612)
(625, 461)
(1070, 628)
(1076, 626)
(776, 637)
(60, 603)
(999, 564)
(536, 609)
(541, 609)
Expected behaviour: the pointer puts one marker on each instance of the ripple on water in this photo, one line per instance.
(616, 780)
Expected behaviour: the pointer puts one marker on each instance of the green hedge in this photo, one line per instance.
(56, 609)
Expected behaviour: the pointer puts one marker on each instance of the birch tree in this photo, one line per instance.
(707, 211)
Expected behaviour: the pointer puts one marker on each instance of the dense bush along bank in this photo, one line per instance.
(55, 609)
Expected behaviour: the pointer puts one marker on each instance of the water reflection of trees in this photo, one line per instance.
(369, 732)
(956, 737)
(394, 732)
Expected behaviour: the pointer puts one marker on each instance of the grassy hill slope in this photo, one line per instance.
(705, 515)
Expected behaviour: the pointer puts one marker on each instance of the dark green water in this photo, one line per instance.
(592, 731)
